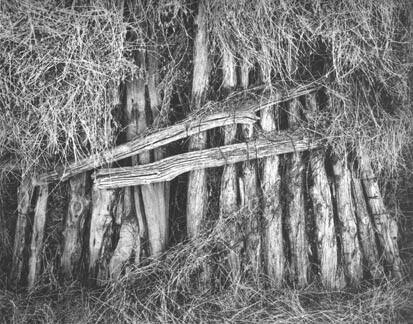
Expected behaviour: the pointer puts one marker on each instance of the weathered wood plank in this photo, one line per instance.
(296, 211)
(273, 242)
(366, 231)
(100, 222)
(229, 182)
(75, 219)
(132, 219)
(171, 167)
(331, 272)
(248, 188)
(348, 223)
(24, 197)
(156, 195)
(386, 226)
(197, 186)
(36, 245)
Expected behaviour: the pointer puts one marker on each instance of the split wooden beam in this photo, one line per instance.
(147, 142)
(240, 111)
(169, 168)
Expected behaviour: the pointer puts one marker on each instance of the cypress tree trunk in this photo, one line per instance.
(75, 219)
(197, 190)
(296, 211)
(273, 242)
(348, 223)
(24, 197)
(36, 245)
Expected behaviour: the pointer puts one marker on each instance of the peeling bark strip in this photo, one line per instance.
(171, 167)
(296, 211)
(101, 220)
(348, 223)
(24, 197)
(248, 188)
(366, 231)
(229, 186)
(324, 220)
(75, 219)
(386, 225)
(331, 273)
(197, 186)
(36, 245)
(198, 122)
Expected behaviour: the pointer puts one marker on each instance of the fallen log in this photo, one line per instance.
(169, 168)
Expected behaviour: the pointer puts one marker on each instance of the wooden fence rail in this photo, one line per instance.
(236, 110)
(169, 168)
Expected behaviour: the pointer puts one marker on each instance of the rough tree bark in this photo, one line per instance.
(331, 273)
(385, 224)
(75, 219)
(366, 231)
(197, 186)
(273, 243)
(348, 223)
(24, 197)
(249, 195)
(229, 187)
(36, 245)
(296, 210)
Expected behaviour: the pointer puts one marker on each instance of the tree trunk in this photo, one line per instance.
(386, 225)
(348, 223)
(248, 187)
(75, 219)
(331, 273)
(273, 242)
(36, 245)
(296, 211)
(228, 194)
(24, 197)
(197, 186)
